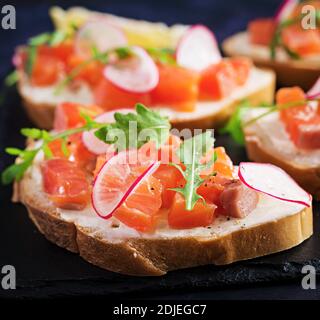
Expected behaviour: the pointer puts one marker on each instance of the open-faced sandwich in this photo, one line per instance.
(114, 62)
(286, 134)
(145, 202)
(289, 43)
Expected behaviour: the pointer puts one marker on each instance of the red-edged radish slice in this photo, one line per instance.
(273, 181)
(285, 9)
(91, 142)
(117, 179)
(314, 92)
(99, 34)
(198, 49)
(138, 74)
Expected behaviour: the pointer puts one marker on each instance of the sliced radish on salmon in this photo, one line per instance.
(98, 34)
(314, 92)
(138, 74)
(65, 184)
(92, 143)
(117, 180)
(285, 10)
(273, 181)
(198, 49)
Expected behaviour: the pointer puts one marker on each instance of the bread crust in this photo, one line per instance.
(42, 114)
(157, 256)
(289, 73)
(307, 177)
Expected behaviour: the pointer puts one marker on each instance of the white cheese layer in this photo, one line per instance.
(258, 79)
(274, 138)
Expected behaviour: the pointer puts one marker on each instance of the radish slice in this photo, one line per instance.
(198, 49)
(285, 10)
(314, 92)
(92, 143)
(273, 181)
(106, 200)
(138, 74)
(99, 34)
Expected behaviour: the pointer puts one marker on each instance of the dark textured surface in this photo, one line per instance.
(44, 269)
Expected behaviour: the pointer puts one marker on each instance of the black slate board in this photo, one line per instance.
(44, 269)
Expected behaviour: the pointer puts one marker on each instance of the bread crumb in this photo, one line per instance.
(135, 255)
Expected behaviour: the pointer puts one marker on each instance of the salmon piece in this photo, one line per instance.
(141, 209)
(238, 200)
(110, 97)
(303, 42)
(202, 214)
(261, 31)
(177, 88)
(65, 184)
(169, 177)
(45, 71)
(218, 81)
(91, 73)
(301, 122)
(61, 52)
(49, 64)
(68, 115)
(223, 164)
(242, 67)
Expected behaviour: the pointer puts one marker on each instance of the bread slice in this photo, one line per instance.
(289, 72)
(267, 141)
(272, 227)
(40, 102)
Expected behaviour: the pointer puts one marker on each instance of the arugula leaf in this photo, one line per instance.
(163, 55)
(150, 126)
(56, 38)
(40, 39)
(17, 170)
(190, 153)
(31, 58)
(234, 125)
(145, 119)
(13, 151)
(11, 78)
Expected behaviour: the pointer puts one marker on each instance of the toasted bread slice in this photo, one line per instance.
(272, 227)
(289, 72)
(267, 141)
(40, 102)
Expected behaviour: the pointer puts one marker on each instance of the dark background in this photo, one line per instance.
(44, 269)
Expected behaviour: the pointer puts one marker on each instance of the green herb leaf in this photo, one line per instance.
(190, 154)
(57, 37)
(149, 124)
(11, 78)
(32, 133)
(162, 55)
(40, 39)
(17, 170)
(31, 58)
(234, 125)
(123, 52)
(14, 151)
